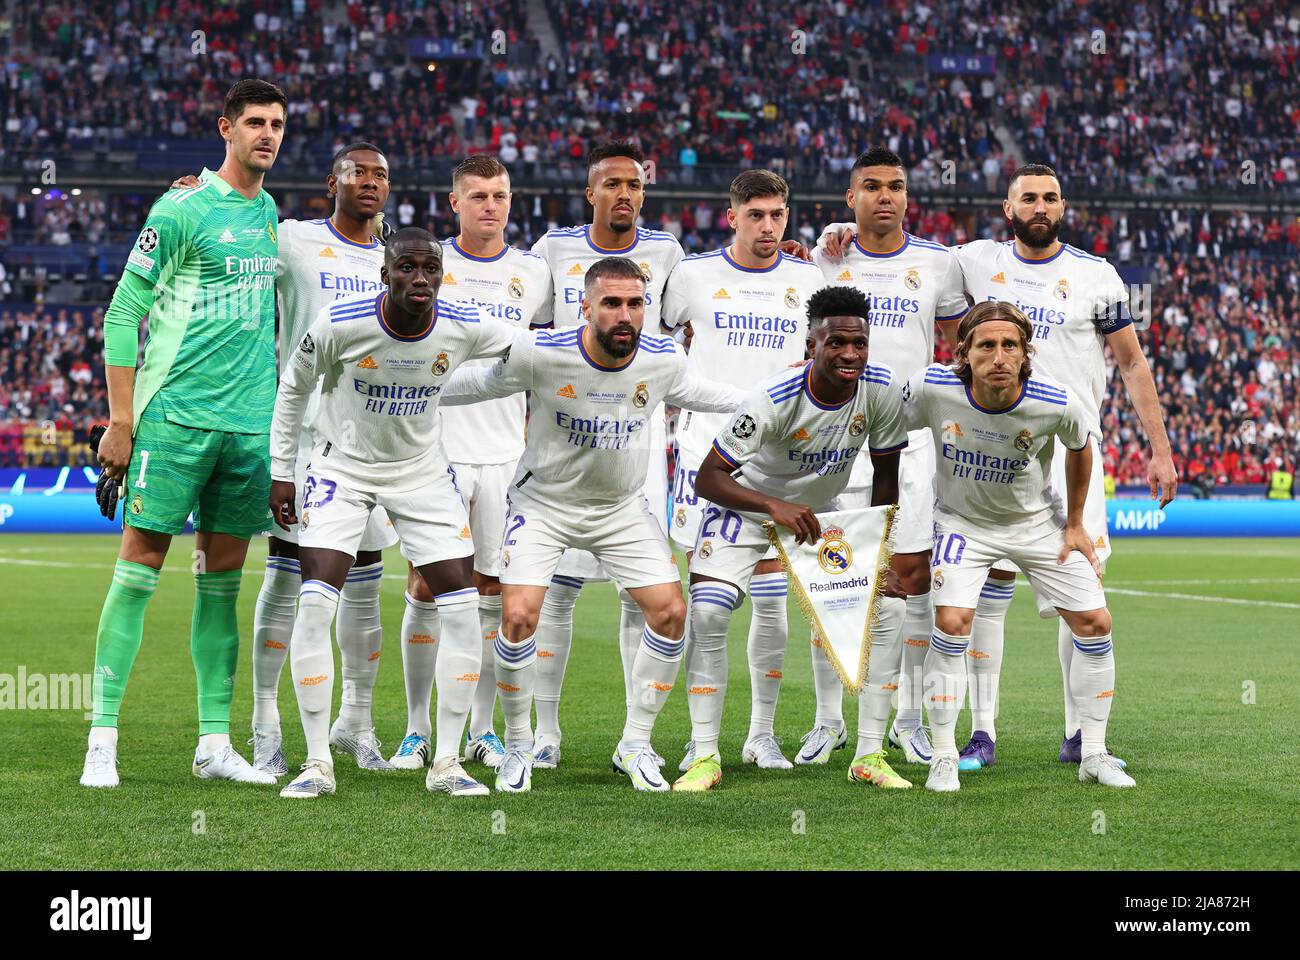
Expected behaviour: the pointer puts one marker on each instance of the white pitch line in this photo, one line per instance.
(1197, 596)
(1204, 583)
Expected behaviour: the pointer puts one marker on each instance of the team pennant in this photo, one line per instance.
(838, 582)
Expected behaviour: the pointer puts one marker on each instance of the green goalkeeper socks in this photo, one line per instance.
(214, 646)
(121, 628)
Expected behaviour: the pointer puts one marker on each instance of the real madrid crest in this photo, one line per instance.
(306, 516)
(642, 395)
(857, 425)
(137, 505)
(516, 288)
(706, 549)
(1024, 439)
(938, 579)
(1062, 289)
(645, 270)
(680, 518)
(912, 281)
(835, 556)
(441, 364)
(792, 298)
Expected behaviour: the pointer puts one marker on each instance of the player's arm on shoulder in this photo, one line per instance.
(1140, 385)
(703, 396)
(835, 239)
(751, 425)
(513, 373)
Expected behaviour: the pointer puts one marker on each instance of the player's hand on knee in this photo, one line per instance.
(281, 502)
(1076, 538)
(796, 517)
(181, 183)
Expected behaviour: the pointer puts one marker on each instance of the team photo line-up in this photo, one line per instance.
(502, 415)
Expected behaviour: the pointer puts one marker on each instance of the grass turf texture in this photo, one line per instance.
(1215, 786)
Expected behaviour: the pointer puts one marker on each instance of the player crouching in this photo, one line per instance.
(993, 428)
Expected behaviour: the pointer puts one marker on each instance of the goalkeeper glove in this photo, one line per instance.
(107, 490)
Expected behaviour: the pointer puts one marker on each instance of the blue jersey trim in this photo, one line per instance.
(505, 248)
(351, 243)
(970, 397)
(383, 324)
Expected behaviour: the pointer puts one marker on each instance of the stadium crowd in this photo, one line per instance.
(1144, 98)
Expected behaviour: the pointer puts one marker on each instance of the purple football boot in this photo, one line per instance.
(1072, 750)
(978, 753)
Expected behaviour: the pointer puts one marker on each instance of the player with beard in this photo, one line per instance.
(616, 180)
(1078, 305)
(580, 485)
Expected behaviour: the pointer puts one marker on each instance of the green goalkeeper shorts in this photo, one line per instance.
(224, 479)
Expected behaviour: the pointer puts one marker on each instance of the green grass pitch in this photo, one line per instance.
(1206, 715)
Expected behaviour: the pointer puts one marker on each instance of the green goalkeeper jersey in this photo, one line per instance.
(210, 254)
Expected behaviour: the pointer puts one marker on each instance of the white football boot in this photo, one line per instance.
(100, 769)
(766, 752)
(1104, 769)
(448, 776)
(226, 764)
(315, 779)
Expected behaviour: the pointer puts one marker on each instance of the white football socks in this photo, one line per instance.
(945, 688)
(554, 638)
(769, 634)
(1065, 651)
(360, 638)
(517, 671)
(875, 702)
(485, 695)
(653, 674)
(1092, 681)
(712, 603)
(419, 662)
(312, 664)
(631, 624)
(827, 688)
(984, 658)
(273, 616)
(918, 625)
(457, 670)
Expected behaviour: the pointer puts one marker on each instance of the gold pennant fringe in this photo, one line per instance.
(883, 561)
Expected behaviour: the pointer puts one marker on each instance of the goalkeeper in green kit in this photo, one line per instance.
(190, 432)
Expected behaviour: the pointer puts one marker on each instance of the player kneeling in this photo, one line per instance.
(794, 438)
(993, 428)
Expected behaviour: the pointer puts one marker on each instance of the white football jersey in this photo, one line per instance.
(379, 391)
(788, 444)
(1072, 298)
(995, 466)
(317, 265)
(569, 252)
(514, 287)
(748, 324)
(910, 289)
(588, 436)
